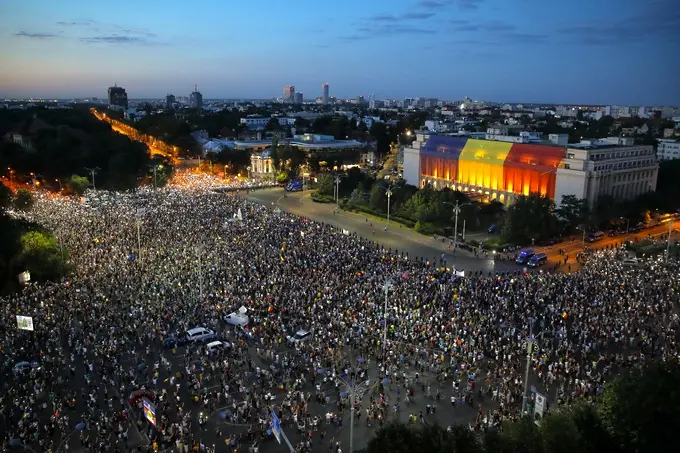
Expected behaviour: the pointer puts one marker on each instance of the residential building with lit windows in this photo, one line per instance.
(668, 149)
(495, 170)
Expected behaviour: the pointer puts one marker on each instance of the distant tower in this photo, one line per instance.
(169, 101)
(117, 97)
(196, 99)
(325, 93)
(289, 93)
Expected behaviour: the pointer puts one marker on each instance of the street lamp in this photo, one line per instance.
(387, 287)
(79, 427)
(531, 341)
(583, 243)
(627, 223)
(353, 389)
(388, 192)
(668, 241)
(59, 182)
(337, 190)
(456, 210)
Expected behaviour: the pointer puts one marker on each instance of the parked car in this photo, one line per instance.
(201, 334)
(25, 367)
(492, 229)
(172, 342)
(215, 346)
(137, 396)
(300, 335)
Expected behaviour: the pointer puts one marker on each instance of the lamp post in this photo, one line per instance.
(668, 240)
(93, 171)
(386, 287)
(627, 223)
(353, 389)
(456, 210)
(139, 214)
(531, 341)
(200, 272)
(248, 168)
(337, 191)
(79, 427)
(583, 241)
(59, 182)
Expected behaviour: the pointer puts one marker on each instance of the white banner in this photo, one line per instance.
(24, 277)
(460, 273)
(345, 232)
(24, 322)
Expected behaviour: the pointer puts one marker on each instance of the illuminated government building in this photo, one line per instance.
(510, 166)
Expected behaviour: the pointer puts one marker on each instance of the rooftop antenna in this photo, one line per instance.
(195, 88)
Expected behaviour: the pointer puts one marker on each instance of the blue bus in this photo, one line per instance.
(294, 186)
(524, 256)
(538, 259)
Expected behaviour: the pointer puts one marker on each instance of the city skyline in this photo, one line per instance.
(527, 51)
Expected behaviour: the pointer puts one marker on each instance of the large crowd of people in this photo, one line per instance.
(390, 334)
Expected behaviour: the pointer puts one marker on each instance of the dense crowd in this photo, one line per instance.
(147, 266)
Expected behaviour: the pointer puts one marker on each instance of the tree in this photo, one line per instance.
(273, 125)
(326, 184)
(24, 200)
(573, 211)
(78, 184)
(560, 433)
(530, 218)
(41, 255)
(378, 200)
(641, 410)
(432, 438)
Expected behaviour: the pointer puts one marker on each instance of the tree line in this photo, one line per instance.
(61, 144)
(26, 246)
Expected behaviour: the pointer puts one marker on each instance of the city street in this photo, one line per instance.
(395, 238)
(416, 244)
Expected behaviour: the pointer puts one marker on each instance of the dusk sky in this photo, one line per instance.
(581, 51)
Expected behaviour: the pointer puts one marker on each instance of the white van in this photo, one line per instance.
(200, 334)
(214, 347)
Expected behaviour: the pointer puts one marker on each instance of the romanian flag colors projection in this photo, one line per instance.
(506, 167)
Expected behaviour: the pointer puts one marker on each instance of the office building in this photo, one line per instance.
(117, 97)
(492, 170)
(196, 99)
(371, 101)
(169, 101)
(325, 93)
(360, 100)
(668, 149)
(298, 98)
(289, 93)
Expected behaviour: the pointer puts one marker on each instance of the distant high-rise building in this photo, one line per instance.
(289, 93)
(169, 101)
(360, 100)
(371, 101)
(118, 97)
(196, 99)
(325, 93)
(298, 97)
